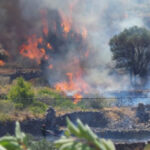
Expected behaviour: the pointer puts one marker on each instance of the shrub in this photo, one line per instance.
(21, 92)
(55, 99)
(22, 141)
(38, 107)
(81, 137)
(6, 106)
(42, 145)
(5, 117)
(76, 138)
(96, 103)
(19, 106)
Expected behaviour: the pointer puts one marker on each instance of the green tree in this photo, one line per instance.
(131, 51)
(21, 93)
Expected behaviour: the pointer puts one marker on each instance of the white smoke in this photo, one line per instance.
(102, 19)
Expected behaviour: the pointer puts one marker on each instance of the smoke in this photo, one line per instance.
(102, 19)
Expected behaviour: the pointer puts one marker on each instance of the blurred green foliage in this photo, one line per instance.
(21, 93)
(55, 98)
(81, 137)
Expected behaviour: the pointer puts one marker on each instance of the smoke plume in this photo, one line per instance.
(93, 23)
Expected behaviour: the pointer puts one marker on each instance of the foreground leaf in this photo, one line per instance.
(81, 137)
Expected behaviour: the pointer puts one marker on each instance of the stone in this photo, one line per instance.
(141, 113)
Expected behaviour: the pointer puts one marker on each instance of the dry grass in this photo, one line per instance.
(116, 113)
(4, 89)
(19, 116)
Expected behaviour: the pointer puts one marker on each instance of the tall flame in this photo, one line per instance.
(75, 85)
(33, 49)
(66, 22)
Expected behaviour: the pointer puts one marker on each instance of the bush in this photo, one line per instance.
(5, 117)
(6, 106)
(96, 103)
(42, 145)
(55, 99)
(21, 141)
(79, 137)
(19, 106)
(21, 93)
(38, 107)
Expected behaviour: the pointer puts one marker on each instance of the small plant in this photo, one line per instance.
(22, 141)
(42, 145)
(38, 107)
(96, 103)
(6, 106)
(21, 93)
(55, 99)
(82, 138)
(76, 138)
(147, 147)
(17, 142)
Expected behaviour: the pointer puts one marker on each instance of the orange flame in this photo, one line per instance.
(77, 98)
(31, 49)
(75, 83)
(66, 22)
(75, 87)
(2, 63)
(49, 46)
(66, 25)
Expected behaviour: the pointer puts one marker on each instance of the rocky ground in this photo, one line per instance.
(128, 127)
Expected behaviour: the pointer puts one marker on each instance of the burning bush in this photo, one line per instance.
(54, 98)
(3, 56)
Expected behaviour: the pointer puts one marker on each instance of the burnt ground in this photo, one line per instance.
(127, 127)
(122, 125)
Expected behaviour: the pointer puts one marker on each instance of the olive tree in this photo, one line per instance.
(131, 51)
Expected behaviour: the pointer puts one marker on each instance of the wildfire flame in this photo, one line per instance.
(2, 63)
(66, 23)
(75, 84)
(31, 49)
(49, 46)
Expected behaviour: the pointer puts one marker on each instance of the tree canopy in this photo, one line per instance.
(131, 51)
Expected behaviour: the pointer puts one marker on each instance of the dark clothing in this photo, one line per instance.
(43, 131)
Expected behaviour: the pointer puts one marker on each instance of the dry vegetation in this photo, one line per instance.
(116, 113)
(50, 97)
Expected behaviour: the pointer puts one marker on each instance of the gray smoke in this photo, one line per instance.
(102, 19)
